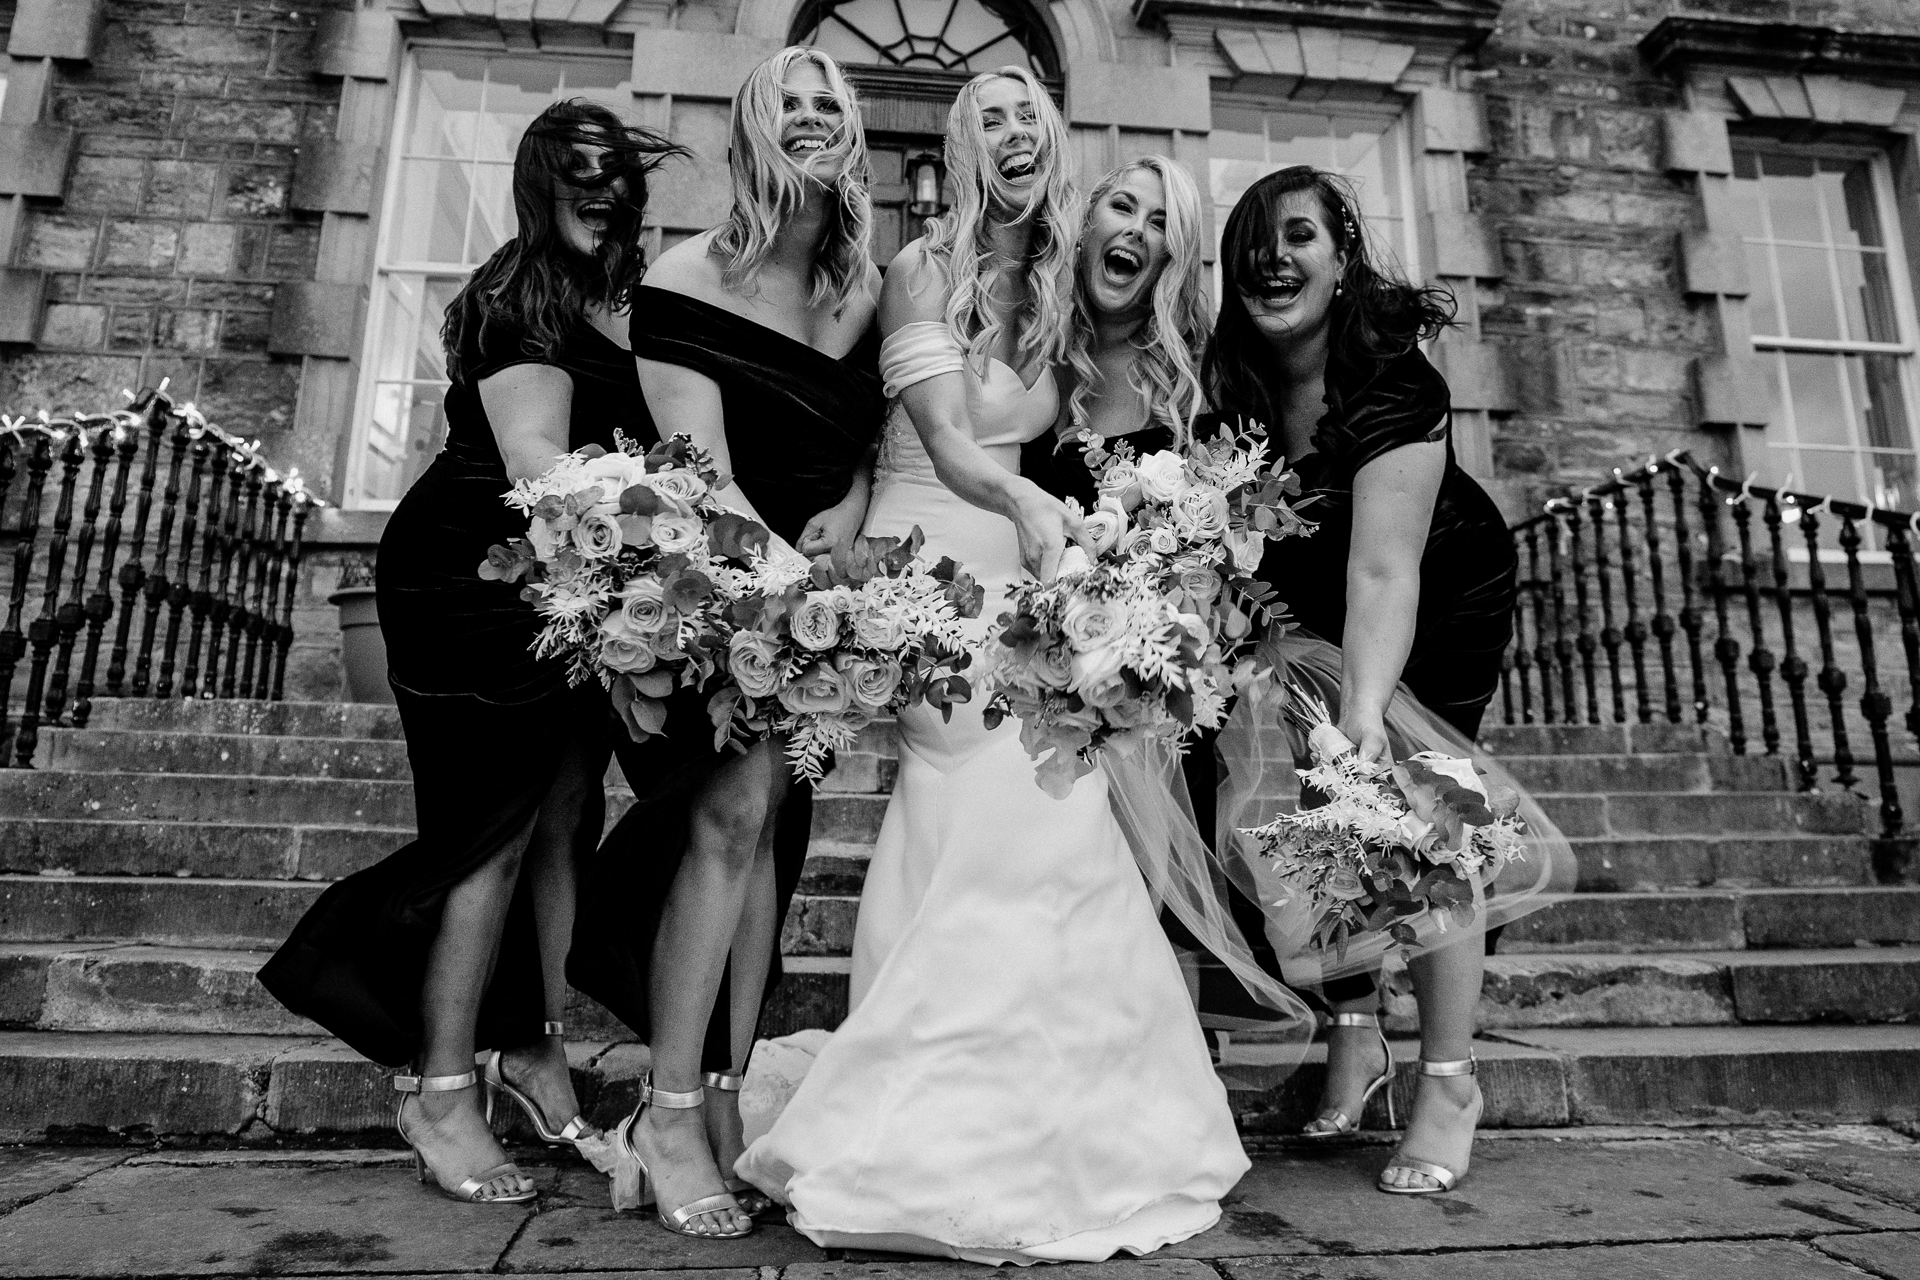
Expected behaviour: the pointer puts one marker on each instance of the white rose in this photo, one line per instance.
(676, 533)
(878, 630)
(1247, 546)
(683, 486)
(597, 537)
(1094, 666)
(1201, 513)
(644, 607)
(544, 541)
(1104, 528)
(1163, 541)
(1073, 560)
(1093, 624)
(1163, 476)
(816, 623)
(1461, 771)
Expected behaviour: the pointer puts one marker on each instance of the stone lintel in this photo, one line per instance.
(1681, 42)
(1823, 99)
(313, 319)
(1476, 374)
(361, 43)
(1158, 98)
(65, 29)
(1713, 262)
(1466, 244)
(1734, 391)
(1696, 142)
(1446, 30)
(527, 13)
(22, 291)
(34, 159)
(335, 177)
(1314, 53)
(1455, 120)
(696, 64)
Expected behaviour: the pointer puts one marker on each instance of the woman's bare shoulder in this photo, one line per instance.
(916, 288)
(688, 267)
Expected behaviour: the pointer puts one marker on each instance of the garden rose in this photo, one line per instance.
(613, 472)
(1200, 513)
(817, 689)
(1107, 691)
(1053, 668)
(1201, 584)
(628, 655)
(1093, 666)
(1247, 547)
(1163, 541)
(544, 541)
(1104, 529)
(871, 681)
(1163, 476)
(753, 662)
(681, 486)
(879, 629)
(816, 623)
(644, 607)
(1090, 624)
(676, 533)
(1344, 885)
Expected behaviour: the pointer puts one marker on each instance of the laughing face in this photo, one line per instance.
(586, 210)
(1010, 130)
(1291, 297)
(1125, 251)
(812, 121)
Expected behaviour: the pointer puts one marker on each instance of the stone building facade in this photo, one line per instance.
(1667, 225)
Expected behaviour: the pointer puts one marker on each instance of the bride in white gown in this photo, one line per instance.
(1021, 1077)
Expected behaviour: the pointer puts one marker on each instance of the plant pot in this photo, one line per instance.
(363, 650)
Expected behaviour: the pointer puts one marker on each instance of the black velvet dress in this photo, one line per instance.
(799, 424)
(482, 716)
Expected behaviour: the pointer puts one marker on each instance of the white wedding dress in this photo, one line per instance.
(1021, 1077)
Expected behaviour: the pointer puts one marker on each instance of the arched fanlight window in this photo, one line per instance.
(964, 36)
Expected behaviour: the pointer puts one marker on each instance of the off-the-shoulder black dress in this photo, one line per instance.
(482, 715)
(799, 424)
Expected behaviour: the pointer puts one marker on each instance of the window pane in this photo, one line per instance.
(1892, 476)
(1851, 206)
(1792, 200)
(1806, 287)
(1881, 404)
(1867, 295)
(446, 103)
(1819, 412)
(1763, 307)
(1828, 472)
(434, 194)
(493, 218)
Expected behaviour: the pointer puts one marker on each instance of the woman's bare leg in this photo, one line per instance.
(1446, 983)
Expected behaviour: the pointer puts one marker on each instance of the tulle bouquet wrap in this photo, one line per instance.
(1389, 846)
(819, 652)
(1150, 637)
(629, 562)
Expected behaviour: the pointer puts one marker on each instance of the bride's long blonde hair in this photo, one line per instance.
(1165, 369)
(769, 186)
(958, 241)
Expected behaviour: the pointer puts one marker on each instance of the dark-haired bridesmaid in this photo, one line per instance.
(1411, 572)
(459, 940)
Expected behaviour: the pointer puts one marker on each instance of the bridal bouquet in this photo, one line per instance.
(818, 653)
(1148, 638)
(630, 564)
(1388, 845)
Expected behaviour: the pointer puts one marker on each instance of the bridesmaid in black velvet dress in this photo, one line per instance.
(757, 339)
(1411, 572)
(459, 940)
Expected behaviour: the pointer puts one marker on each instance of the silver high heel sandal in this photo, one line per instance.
(676, 1222)
(495, 1077)
(753, 1201)
(1447, 1178)
(468, 1189)
(1339, 1124)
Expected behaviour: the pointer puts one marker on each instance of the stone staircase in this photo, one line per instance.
(1730, 955)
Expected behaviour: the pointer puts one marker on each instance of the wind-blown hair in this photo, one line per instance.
(1165, 369)
(534, 281)
(958, 241)
(1376, 315)
(769, 186)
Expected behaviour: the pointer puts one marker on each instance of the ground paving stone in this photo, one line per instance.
(1768, 1260)
(27, 1173)
(250, 1219)
(1895, 1256)
(1862, 1158)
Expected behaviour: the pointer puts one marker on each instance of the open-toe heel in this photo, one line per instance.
(754, 1202)
(496, 1080)
(467, 1189)
(677, 1221)
(1341, 1124)
(1447, 1178)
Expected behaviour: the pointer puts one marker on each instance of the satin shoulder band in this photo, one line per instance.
(918, 351)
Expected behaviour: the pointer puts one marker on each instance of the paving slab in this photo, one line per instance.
(1862, 1158)
(27, 1173)
(154, 1220)
(1542, 1192)
(1722, 1260)
(860, 1265)
(1896, 1257)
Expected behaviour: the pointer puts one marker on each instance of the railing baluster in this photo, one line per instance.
(13, 641)
(100, 605)
(1562, 646)
(222, 602)
(1907, 599)
(1726, 647)
(1663, 626)
(209, 548)
(41, 633)
(1610, 636)
(237, 616)
(1831, 680)
(156, 586)
(73, 611)
(1542, 652)
(283, 638)
(180, 594)
(1584, 640)
(1793, 667)
(1636, 629)
(1875, 705)
(1760, 660)
(133, 573)
(1690, 620)
(273, 516)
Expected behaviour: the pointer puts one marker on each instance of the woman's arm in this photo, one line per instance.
(1393, 499)
(938, 407)
(530, 407)
(832, 532)
(681, 400)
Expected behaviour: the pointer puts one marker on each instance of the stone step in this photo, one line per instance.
(1599, 739)
(93, 750)
(163, 910)
(1719, 920)
(1650, 862)
(188, 797)
(275, 719)
(1673, 813)
(1671, 773)
(225, 1089)
(230, 850)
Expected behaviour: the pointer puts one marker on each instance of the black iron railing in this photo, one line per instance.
(215, 564)
(1659, 596)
